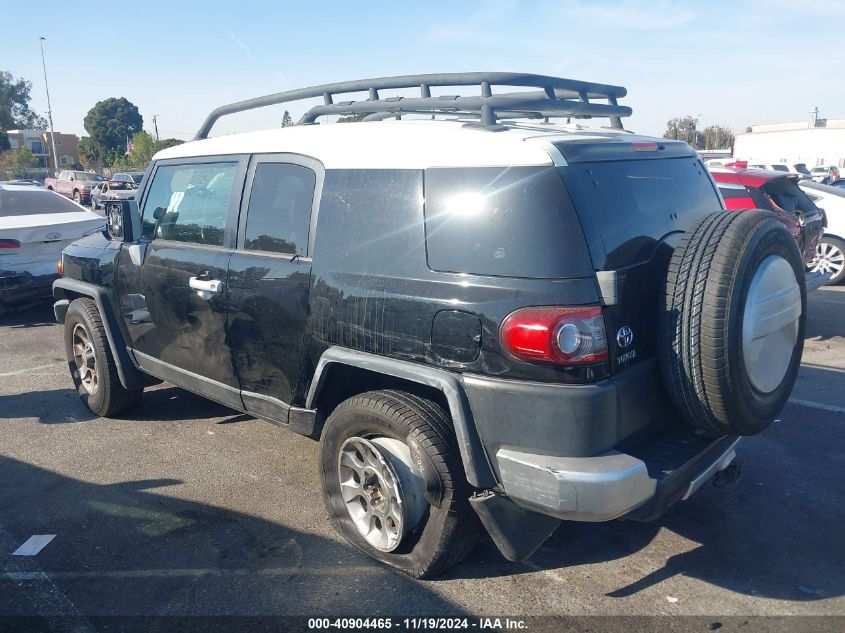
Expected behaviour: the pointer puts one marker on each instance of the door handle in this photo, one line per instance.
(207, 288)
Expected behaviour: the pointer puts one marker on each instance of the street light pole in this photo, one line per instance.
(155, 123)
(49, 111)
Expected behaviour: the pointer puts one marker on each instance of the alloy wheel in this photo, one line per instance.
(829, 259)
(85, 358)
(383, 496)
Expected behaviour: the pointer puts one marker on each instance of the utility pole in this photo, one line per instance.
(155, 123)
(49, 111)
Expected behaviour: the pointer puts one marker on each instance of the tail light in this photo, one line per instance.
(60, 267)
(567, 336)
(9, 244)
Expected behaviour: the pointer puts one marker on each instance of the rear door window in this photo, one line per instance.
(279, 212)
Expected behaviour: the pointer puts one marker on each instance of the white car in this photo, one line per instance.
(35, 225)
(825, 174)
(830, 253)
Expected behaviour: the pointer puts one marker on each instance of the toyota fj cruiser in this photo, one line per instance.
(489, 320)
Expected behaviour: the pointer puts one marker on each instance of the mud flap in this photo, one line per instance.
(516, 532)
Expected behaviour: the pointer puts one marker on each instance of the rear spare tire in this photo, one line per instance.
(732, 322)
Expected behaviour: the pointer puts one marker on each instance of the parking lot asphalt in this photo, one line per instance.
(185, 507)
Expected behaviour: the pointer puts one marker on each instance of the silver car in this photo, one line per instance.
(111, 190)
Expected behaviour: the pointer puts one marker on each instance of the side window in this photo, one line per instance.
(279, 212)
(189, 203)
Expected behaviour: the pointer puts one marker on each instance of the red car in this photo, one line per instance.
(777, 191)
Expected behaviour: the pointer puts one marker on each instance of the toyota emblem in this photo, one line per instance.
(53, 235)
(624, 337)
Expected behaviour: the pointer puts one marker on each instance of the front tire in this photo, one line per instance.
(394, 484)
(91, 363)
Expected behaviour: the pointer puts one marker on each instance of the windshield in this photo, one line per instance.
(780, 168)
(84, 175)
(34, 202)
(801, 168)
(821, 170)
(137, 177)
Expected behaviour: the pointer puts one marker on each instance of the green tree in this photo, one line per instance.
(352, 118)
(143, 148)
(110, 123)
(17, 163)
(286, 120)
(717, 137)
(15, 112)
(167, 142)
(90, 154)
(683, 129)
(4, 141)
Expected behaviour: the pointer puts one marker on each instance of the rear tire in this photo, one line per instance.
(91, 363)
(728, 359)
(77, 198)
(437, 537)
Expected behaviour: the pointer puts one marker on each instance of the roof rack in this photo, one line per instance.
(557, 97)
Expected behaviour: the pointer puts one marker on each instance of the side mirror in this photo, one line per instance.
(120, 217)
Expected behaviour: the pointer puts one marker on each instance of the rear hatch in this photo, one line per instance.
(635, 199)
(797, 210)
(35, 225)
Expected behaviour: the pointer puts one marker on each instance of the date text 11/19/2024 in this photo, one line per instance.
(418, 624)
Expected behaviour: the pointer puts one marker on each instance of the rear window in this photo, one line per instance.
(636, 203)
(787, 195)
(801, 168)
(34, 202)
(503, 221)
(780, 168)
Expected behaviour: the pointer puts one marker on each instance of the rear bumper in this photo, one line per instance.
(611, 485)
(22, 288)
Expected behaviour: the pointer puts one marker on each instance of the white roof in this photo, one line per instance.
(407, 144)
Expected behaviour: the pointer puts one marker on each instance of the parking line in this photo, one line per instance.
(34, 544)
(832, 408)
(29, 369)
(46, 599)
(270, 572)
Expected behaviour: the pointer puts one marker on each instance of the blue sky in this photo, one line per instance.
(732, 63)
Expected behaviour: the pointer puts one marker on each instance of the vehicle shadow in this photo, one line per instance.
(773, 534)
(165, 403)
(38, 315)
(134, 548)
(58, 406)
(824, 314)
(168, 403)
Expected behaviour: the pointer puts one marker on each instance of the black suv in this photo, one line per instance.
(490, 317)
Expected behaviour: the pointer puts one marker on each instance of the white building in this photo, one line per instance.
(812, 142)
